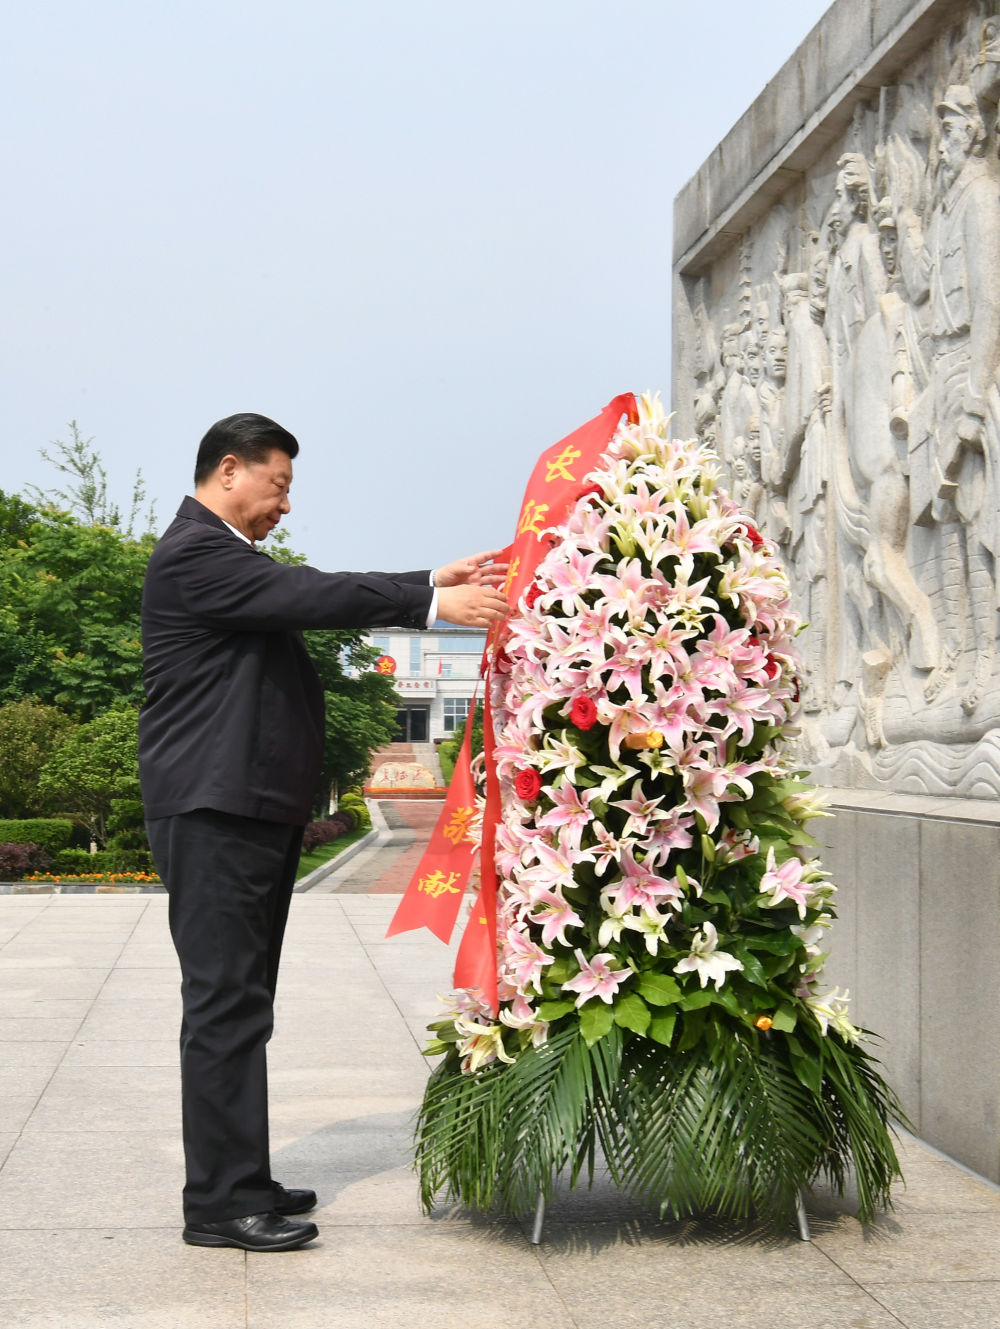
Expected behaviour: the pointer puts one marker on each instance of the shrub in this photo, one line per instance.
(317, 833)
(18, 860)
(74, 860)
(129, 860)
(52, 833)
(351, 802)
(323, 832)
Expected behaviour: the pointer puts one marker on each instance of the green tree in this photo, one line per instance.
(29, 735)
(86, 495)
(16, 517)
(361, 707)
(70, 598)
(95, 770)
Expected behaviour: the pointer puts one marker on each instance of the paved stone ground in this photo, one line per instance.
(386, 867)
(90, 1167)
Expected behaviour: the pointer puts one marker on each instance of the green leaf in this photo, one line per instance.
(809, 1070)
(697, 1000)
(661, 1028)
(777, 943)
(753, 970)
(552, 1010)
(659, 989)
(596, 1019)
(691, 1032)
(785, 1018)
(560, 969)
(727, 997)
(803, 837)
(631, 1012)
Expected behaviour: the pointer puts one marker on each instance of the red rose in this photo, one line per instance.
(771, 667)
(532, 594)
(754, 536)
(528, 784)
(583, 712)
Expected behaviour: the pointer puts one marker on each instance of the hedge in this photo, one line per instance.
(105, 860)
(52, 833)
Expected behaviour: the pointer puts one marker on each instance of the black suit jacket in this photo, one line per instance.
(233, 718)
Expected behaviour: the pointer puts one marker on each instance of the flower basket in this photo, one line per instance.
(660, 913)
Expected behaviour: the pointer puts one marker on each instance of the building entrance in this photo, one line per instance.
(412, 724)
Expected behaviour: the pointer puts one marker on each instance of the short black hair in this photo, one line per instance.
(248, 436)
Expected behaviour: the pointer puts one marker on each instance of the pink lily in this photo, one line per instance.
(596, 978)
(554, 914)
(570, 814)
(785, 882)
(524, 960)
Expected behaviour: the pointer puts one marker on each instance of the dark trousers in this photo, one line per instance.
(229, 881)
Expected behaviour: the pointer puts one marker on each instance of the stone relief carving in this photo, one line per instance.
(846, 365)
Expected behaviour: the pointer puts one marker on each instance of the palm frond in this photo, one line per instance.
(735, 1133)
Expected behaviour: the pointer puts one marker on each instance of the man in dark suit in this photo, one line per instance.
(230, 744)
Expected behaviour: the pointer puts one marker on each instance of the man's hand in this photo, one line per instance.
(471, 606)
(477, 570)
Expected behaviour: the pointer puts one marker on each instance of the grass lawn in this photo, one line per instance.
(317, 857)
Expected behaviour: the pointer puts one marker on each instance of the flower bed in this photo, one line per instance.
(113, 878)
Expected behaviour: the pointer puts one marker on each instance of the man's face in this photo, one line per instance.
(842, 209)
(259, 493)
(888, 243)
(776, 355)
(956, 140)
(751, 362)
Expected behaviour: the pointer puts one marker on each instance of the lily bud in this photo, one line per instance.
(650, 738)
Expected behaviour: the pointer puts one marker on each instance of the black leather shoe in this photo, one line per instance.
(256, 1232)
(292, 1202)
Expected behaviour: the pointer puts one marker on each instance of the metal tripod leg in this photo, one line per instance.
(536, 1231)
(803, 1221)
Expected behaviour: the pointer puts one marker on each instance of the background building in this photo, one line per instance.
(435, 677)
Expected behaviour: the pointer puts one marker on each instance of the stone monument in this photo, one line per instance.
(837, 334)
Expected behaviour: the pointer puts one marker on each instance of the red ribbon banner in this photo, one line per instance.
(433, 897)
(555, 485)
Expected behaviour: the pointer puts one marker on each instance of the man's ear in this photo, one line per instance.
(228, 468)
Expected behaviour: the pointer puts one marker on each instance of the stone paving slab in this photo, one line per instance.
(91, 1168)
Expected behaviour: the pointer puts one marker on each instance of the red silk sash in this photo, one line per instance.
(433, 897)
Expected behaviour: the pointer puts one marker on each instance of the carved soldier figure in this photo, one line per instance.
(887, 359)
(856, 281)
(799, 472)
(771, 395)
(957, 270)
(734, 407)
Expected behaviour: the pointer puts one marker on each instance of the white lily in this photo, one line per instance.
(710, 964)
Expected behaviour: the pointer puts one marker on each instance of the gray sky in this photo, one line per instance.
(429, 238)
